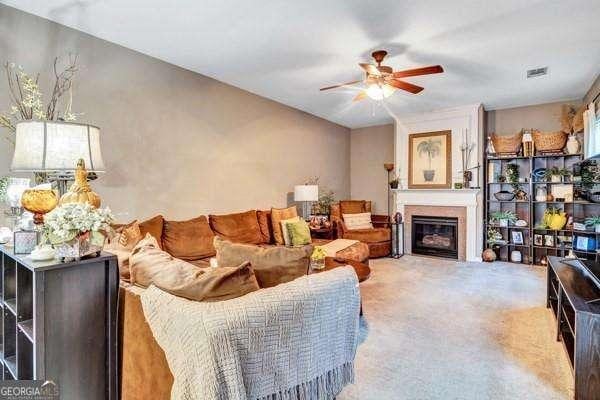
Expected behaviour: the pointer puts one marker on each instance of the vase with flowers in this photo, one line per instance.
(76, 230)
(317, 258)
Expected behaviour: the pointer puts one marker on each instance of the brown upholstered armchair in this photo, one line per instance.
(379, 238)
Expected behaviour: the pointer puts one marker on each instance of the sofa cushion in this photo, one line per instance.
(272, 265)
(188, 240)
(358, 221)
(278, 215)
(369, 235)
(238, 228)
(299, 233)
(352, 206)
(153, 226)
(152, 266)
(264, 222)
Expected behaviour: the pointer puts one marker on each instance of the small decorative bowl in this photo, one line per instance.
(594, 197)
(504, 196)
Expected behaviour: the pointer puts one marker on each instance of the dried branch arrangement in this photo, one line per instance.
(27, 99)
(571, 119)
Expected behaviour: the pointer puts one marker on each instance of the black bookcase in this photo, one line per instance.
(59, 323)
(532, 211)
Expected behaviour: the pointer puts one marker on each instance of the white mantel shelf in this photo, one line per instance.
(473, 191)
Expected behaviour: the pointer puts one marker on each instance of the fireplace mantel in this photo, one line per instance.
(470, 199)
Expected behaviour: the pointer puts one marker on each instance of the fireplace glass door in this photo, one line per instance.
(435, 236)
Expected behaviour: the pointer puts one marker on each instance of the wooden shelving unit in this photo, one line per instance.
(59, 323)
(532, 210)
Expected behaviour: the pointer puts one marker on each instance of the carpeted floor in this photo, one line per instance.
(436, 329)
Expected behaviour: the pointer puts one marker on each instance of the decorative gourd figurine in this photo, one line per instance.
(80, 191)
(558, 221)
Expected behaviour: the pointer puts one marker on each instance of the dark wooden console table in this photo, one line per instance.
(59, 323)
(574, 298)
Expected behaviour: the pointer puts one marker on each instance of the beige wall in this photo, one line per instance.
(175, 141)
(545, 117)
(370, 148)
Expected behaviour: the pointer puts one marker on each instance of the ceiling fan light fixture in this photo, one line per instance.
(379, 92)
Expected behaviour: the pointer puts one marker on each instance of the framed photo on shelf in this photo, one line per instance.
(549, 240)
(24, 241)
(538, 239)
(517, 237)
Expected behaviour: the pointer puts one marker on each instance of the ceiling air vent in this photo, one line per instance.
(534, 73)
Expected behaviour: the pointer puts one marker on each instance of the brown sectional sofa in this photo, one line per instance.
(144, 370)
(192, 240)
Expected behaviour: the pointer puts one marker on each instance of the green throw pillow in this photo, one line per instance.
(299, 233)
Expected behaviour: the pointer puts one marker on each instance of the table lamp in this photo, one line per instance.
(305, 194)
(55, 147)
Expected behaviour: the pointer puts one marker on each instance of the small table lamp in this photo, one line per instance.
(306, 194)
(56, 147)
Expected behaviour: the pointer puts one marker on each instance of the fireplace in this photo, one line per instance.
(435, 236)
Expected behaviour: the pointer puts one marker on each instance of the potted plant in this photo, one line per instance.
(430, 148)
(512, 173)
(394, 183)
(503, 218)
(556, 174)
(594, 221)
(76, 229)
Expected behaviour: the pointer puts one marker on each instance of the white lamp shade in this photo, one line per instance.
(306, 193)
(56, 146)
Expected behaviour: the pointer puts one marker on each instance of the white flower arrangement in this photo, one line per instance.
(70, 220)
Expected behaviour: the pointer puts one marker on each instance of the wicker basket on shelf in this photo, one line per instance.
(507, 144)
(549, 141)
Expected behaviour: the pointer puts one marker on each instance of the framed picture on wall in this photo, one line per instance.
(430, 160)
(538, 239)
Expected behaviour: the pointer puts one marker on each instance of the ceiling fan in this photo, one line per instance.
(382, 81)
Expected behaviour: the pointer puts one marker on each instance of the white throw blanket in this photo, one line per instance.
(294, 341)
(336, 245)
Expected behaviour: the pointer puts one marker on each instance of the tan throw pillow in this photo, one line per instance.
(358, 221)
(278, 215)
(272, 265)
(188, 240)
(284, 230)
(152, 266)
(130, 235)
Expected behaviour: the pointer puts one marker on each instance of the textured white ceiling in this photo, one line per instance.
(287, 49)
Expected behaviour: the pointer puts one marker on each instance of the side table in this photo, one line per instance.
(322, 233)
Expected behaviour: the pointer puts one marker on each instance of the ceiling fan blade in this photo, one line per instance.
(409, 87)
(434, 69)
(362, 95)
(340, 85)
(370, 69)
